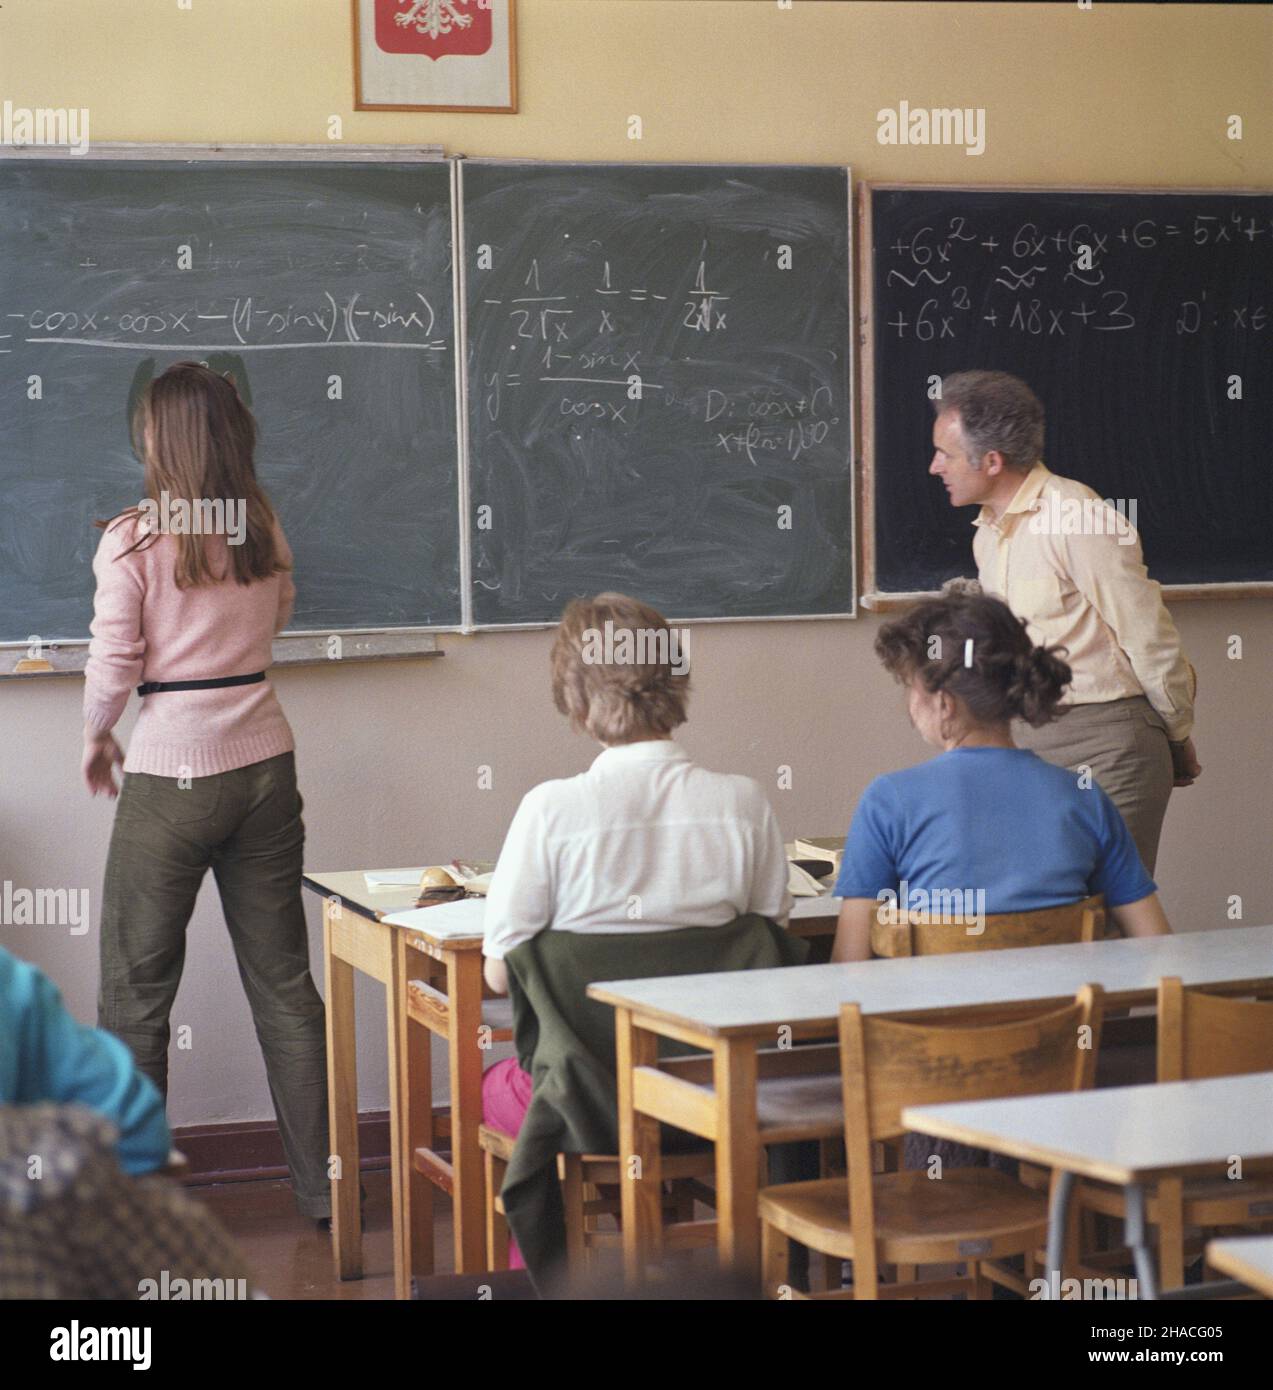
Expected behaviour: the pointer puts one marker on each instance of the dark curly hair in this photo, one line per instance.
(1002, 676)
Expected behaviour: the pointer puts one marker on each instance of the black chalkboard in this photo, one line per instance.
(724, 289)
(1131, 358)
(301, 273)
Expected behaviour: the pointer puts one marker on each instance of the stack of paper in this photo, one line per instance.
(390, 880)
(462, 918)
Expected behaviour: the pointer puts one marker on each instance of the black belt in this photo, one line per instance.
(156, 687)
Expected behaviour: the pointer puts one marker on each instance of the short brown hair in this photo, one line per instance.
(617, 701)
(1008, 676)
(996, 412)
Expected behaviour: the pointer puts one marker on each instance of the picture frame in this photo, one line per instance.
(435, 55)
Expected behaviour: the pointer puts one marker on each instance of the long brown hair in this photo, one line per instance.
(196, 438)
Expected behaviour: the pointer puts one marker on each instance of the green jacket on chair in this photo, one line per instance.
(566, 1042)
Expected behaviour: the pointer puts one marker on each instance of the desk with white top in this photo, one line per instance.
(1248, 1259)
(1127, 1135)
(733, 1016)
(446, 1003)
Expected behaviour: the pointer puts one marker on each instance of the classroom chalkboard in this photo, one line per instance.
(659, 365)
(325, 288)
(1133, 356)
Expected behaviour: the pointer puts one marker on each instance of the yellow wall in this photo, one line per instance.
(1124, 94)
(1118, 94)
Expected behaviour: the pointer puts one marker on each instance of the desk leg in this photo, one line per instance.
(464, 991)
(737, 1156)
(1058, 1230)
(1134, 1227)
(1171, 1233)
(342, 1106)
(416, 1100)
(640, 1159)
(399, 1159)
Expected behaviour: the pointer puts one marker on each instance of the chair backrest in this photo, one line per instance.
(1201, 1034)
(958, 929)
(886, 1066)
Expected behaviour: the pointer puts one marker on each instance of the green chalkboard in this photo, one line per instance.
(325, 287)
(659, 388)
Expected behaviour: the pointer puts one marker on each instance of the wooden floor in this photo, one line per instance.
(292, 1259)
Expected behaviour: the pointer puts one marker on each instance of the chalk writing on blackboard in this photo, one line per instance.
(249, 321)
(1056, 284)
(1142, 319)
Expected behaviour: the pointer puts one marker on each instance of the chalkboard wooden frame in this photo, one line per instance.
(883, 601)
(68, 656)
(296, 649)
(851, 378)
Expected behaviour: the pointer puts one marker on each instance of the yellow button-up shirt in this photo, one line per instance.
(1071, 566)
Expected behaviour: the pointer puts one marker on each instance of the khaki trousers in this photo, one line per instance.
(1125, 744)
(244, 825)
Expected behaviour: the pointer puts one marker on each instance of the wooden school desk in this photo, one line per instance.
(1248, 1259)
(355, 938)
(1127, 1135)
(733, 1016)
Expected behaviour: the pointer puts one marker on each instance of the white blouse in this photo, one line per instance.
(643, 841)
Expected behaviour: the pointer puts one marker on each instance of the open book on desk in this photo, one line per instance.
(828, 848)
(801, 883)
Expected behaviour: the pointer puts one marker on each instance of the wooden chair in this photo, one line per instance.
(1199, 1035)
(970, 1215)
(798, 1098)
(582, 1176)
(919, 934)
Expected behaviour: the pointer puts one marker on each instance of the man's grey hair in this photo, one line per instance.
(996, 412)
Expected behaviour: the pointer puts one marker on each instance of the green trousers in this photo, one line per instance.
(246, 826)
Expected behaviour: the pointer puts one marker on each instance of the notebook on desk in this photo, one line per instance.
(454, 920)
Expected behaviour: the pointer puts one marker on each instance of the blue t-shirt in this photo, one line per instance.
(998, 819)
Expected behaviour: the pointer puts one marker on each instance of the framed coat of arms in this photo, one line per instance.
(435, 55)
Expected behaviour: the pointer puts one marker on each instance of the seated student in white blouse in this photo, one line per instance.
(645, 840)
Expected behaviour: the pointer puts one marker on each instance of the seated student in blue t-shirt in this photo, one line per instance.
(985, 822)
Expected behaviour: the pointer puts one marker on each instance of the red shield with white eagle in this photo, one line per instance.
(434, 28)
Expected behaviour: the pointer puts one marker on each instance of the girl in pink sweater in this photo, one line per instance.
(192, 586)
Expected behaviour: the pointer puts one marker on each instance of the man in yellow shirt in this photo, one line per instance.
(1070, 565)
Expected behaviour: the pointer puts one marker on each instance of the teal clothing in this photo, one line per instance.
(46, 1055)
